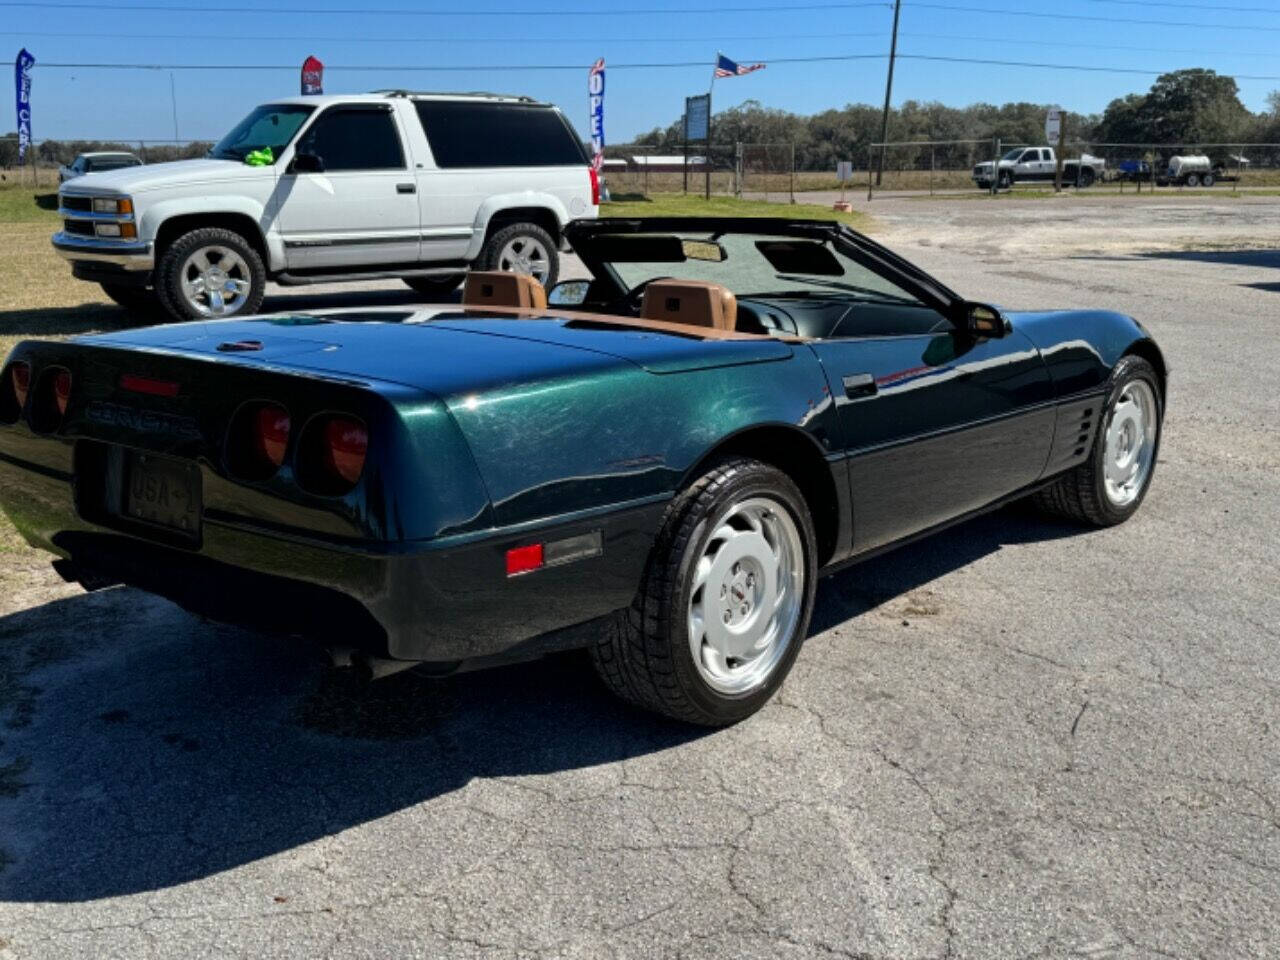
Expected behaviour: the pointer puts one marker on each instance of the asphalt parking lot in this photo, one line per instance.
(1015, 739)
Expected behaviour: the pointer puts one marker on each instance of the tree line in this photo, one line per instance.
(52, 153)
(1188, 107)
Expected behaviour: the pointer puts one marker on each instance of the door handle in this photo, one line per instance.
(857, 385)
(406, 188)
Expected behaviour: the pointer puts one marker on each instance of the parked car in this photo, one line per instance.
(1025, 164)
(664, 459)
(97, 163)
(322, 189)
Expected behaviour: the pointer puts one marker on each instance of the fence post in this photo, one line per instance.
(737, 169)
(871, 153)
(793, 172)
(995, 167)
(933, 162)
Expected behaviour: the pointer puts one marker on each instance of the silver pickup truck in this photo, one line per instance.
(1024, 164)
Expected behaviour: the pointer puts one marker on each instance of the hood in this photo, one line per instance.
(153, 176)
(444, 352)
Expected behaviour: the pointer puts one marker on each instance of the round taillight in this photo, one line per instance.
(346, 442)
(20, 377)
(272, 434)
(62, 391)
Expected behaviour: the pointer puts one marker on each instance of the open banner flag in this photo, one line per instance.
(727, 68)
(22, 85)
(312, 77)
(595, 98)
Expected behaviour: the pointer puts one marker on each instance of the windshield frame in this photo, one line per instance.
(306, 110)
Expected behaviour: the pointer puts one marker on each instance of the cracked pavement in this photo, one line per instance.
(1014, 739)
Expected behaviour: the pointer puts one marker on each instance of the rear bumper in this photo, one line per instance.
(138, 255)
(447, 600)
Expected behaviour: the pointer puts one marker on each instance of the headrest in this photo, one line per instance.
(496, 288)
(694, 303)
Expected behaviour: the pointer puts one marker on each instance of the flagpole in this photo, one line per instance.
(706, 161)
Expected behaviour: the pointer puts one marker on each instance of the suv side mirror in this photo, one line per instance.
(306, 163)
(983, 320)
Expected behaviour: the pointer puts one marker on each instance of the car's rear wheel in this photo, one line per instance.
(1108, 487)
(724, 603)
(210, 273)
(435, 286)
(522, 248)
(132, 298)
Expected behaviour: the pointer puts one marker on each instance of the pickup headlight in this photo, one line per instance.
(116, 205)
(125, 231)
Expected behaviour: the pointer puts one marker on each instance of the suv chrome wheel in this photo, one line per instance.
(525, 254)
(215, 281)
(747, 595)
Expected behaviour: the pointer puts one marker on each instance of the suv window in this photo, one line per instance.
(498, 135)
(354, 138)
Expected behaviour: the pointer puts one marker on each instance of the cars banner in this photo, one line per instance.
(22, 85)
(312, 77)
(595, 97)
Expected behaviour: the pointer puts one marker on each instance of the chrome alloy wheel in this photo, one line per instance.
(525, 255)
(215, 281)
(748, 591)
(1130, 445)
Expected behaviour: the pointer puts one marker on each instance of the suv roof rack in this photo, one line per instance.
(455, 93)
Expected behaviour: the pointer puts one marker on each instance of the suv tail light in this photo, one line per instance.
(271, 434)
(345, 444)
(20, 376)
(595, 187)
(62, 391)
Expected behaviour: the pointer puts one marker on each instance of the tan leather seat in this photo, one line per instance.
(496, 288)
(694, 303)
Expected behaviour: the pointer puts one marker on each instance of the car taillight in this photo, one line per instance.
(345, 444)
(272, 433)
(20, 376)
(595, 187)
(62, 391)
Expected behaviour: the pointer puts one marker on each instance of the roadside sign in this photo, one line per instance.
(1053, 125)
(844, 170)
(697, 117)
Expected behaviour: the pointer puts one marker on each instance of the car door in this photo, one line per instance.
(362, 207)
(935, 423)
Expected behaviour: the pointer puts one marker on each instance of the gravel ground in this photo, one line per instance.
(1015, 739)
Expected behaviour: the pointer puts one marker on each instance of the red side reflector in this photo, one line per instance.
(62, 391)
(20, 373)
(524, 559)
(157, 388)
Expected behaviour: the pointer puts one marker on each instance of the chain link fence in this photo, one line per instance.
(44, 157)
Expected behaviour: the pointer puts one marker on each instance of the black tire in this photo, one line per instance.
(1087, 177)
(491, 255)
(134, 299)
(1193, 180)
(644, 657)
(168, 280)
(435, 286)
(1006, 180)
(1080, 494)
(1206, 179)
(984, 185)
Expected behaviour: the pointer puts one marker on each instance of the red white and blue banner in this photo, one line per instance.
(727, 68)
(312, 77)
(595, 101)
(22, 85)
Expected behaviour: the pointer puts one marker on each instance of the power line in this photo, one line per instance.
(1080, 17)
(517, 68)
(459, 12)
(1166, 5)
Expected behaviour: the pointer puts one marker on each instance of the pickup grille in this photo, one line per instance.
(81, 228)
(82, 204)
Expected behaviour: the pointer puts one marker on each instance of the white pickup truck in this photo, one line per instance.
(332, 188)
(1039, 163)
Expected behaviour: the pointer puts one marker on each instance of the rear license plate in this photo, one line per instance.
(162, 491)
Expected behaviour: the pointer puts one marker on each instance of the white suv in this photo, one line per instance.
(322, 189)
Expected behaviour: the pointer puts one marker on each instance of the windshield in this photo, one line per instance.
(1013, 154)
(755, 265)
(271, 125)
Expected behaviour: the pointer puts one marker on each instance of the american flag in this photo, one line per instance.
(727, 68)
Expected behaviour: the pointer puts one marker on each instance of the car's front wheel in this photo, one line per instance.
(522, 248)
(1108, 487)
(724, 603)
(210, 273)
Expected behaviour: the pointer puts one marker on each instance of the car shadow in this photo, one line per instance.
(142, 748)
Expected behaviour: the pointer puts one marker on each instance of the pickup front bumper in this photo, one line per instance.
(131, 256)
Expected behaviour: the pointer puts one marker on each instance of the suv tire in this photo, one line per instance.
(210, 257)
(522, 248)
(437, 287)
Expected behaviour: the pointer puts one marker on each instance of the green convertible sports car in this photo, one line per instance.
(665, 458)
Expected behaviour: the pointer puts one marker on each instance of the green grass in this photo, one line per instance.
(682, 205)
(24, 204)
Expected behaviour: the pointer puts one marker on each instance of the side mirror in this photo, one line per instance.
(306, 163)
(984, 320)
(569, 293)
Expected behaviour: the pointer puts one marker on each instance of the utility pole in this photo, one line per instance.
(888, 92)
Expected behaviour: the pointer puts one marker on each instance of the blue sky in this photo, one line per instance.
(1235, 36)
